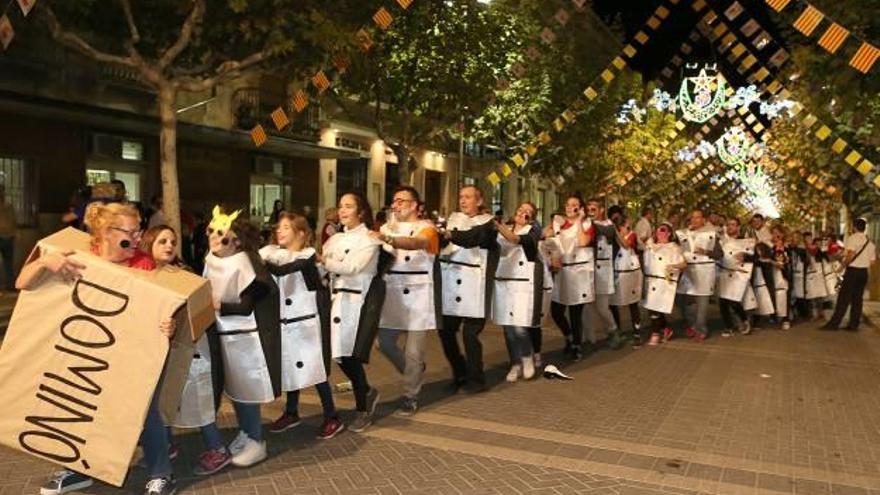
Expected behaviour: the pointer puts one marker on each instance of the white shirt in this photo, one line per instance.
(764, 235)
(854, 243)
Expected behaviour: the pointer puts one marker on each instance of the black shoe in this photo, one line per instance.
(160, 486)
(576, 354)
(454, 386)
(637, 341)
(567, 351)
(829, 327)
(851, 329)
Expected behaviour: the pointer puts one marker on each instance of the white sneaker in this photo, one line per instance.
(513, 374)
(252, 453)
(528, 368)
(786, 325)
(239, 443)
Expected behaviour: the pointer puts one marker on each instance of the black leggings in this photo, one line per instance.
(573, 332)
(728, 309)
(658, 322)
(535, 335)
(635, 315)
(354, 370)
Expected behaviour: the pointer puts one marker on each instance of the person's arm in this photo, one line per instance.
(58, 263)
(481, 236)
(288, 268)
(403, 242)
(585, 236)
(353, 263)
(247, 300)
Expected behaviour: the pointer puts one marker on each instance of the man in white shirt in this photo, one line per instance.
(643, 228)
(859, 252)
(761, 229)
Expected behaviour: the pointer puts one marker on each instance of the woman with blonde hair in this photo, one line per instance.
(115, 232)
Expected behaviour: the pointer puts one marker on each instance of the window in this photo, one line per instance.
(497, 198)
(18, 176)
(131, 179)
(133, 150)
(263, 197)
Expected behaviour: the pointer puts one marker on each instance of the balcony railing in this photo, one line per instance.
(253, 106)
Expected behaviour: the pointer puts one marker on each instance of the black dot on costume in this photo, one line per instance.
(458, 281)
(337, 319)
(584, 296)
(346, 251)
(406, 291)
(521, 263)
(511, 313)
(653, 288)
(406, 258)
(299, 364)
(225, 241)
(288, 301)
(458, 299)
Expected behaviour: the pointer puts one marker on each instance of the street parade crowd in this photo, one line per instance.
(286, 311)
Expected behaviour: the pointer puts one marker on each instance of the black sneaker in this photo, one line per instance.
(160, 486)
(637, 341)
(372, 400)
(576, 353)
(408, 406)
(65, 481)
(569, 348)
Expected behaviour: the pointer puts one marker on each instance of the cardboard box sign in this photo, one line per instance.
(81, 360)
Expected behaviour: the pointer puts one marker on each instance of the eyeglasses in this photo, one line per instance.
(133, 234)
(400, 201)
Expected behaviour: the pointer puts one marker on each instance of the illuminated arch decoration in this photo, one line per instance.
(735, 146)
(701, 97)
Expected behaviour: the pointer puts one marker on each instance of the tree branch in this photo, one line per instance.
(226, 71)
(129, 18)
(186, 31)
(78, 44)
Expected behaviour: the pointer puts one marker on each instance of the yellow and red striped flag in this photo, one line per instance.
(279, 118)
(383, 18)
(778, 5)
(833, 37)
(364, 40)
(865, 57)
(341, 62)
(300, 101)
(320, 81)
(258, 134)
(404, 4)
(808, 20)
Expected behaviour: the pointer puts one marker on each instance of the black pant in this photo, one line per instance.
(354, 370)
(852, 290)
(729, 307)
(535, 335)
(635, 316)
(462, 370)
(658, 322)
(574, 331)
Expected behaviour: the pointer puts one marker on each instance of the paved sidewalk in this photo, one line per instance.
(777, 412)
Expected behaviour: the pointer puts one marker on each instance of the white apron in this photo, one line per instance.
(814, 283)
(781, 292)
(574, 281)
(302, 353)
(514, 300)
(760, 292)
(831, 278)
(698, 278)
(547, 293)
(734, 276)
(347, 291)
(197, 401)
(409, 284)
(628, 278)
(464, 271)
(246, 375)
(604, 261)
(660, 287)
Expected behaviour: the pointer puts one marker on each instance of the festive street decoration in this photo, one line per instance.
(735, 146)
(701, 97)
(630, 111)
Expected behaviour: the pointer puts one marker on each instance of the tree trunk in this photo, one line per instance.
(168, 159)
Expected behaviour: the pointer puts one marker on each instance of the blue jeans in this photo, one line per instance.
(248, 416)
(324, 392)
(155, 441)
(519, 343)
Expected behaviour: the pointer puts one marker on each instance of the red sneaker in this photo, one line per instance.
(212, 461)
(699, 337)
(330, 428)
(667, 334)
(284, 423)
(691, 333)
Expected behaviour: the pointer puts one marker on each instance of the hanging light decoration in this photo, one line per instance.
(743, 97)
(734, 146)
(701, 97)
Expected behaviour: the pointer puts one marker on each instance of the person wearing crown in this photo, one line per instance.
(245, 342)
(412, 299)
